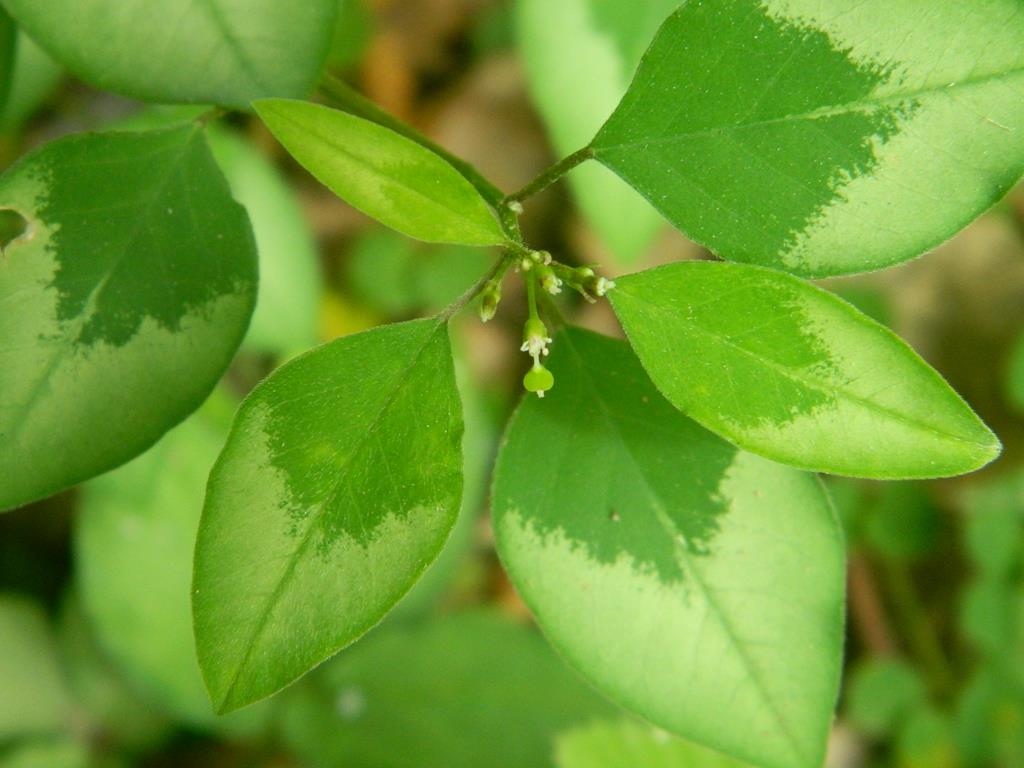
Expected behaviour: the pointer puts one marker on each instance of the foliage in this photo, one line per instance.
(654, 506)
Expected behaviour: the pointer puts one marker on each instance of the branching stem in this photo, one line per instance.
(550, 176)
(500, 267)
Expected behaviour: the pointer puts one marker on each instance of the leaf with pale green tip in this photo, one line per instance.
(385, 175)
(338, 486)
(579, 57)
(629, 744)
(811, 137)
(789, 371)
(694, 584)
(213, 51)
(136, 265)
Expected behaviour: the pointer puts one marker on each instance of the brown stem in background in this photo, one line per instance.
(867, 613)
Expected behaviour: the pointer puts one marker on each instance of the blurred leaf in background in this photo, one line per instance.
(400, 278)
(882, 694)
(469, 689)
(98, 667)
(162, 53)
(989, 724)
(134, 538)
(33, 78)
(35, 700)
(353, 30)
(580, 56)
(630, 744)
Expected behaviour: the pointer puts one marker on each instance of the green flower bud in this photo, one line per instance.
(548, 280)
(489, 300)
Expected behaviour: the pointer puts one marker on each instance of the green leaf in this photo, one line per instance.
(137, 265)
(903, 523)
(288, 303)
(697, 585)
(380, 272)
(105, 702)
(629, 744)
(34, 78)
(927, 741)
(989, 720)
(795, 374)
(994, 533)
(134, 537)
(35, 700)
(990, 616)
(58, 753)
(385, 175)
(478, 440)
(882, 695)
(8, 48)
(213, 51)
(338, 486)
(398, 277)
(580, 56)
(467, 690)
(814, 137)
(353, 30)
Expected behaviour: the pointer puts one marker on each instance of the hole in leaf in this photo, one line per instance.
(13, 226)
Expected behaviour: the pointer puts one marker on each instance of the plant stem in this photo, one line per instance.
(531, 295)
(550, 176)
(866, 608)
(500, 267)
(349, 99)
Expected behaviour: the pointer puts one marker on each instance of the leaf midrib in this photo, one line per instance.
(234, 44)
(320, 508)
(866, 104)
(797, 378)
(684, 558)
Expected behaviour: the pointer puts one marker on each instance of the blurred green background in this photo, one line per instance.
(97, 666)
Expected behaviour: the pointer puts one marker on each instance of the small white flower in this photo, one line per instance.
(551, 283)
(603, 285)
(536, 346)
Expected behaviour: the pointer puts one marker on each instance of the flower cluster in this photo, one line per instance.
(542, 272)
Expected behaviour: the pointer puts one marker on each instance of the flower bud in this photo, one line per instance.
(548, 279)
(489, 300)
